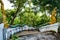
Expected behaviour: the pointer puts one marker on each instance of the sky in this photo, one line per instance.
(7, 4)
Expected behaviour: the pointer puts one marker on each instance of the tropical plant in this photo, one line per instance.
(18, 4)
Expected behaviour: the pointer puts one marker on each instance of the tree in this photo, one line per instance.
(50, 5)
(18, 4)
(9, 14)
(28, 17)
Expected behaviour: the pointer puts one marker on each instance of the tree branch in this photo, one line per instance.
(15, 14)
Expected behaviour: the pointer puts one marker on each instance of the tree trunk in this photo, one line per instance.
(4, 15)
(15, 14)
(53, 16)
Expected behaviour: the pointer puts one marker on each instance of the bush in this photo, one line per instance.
(14, 37)
(59, 29)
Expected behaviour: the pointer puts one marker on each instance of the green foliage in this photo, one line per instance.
(58, 17)
(17, 3)
(44, 18)
(9, 14)
(0, 14)
(14, 37)
(29, 17)
(47, 4)
(17, 20)
(0, 17)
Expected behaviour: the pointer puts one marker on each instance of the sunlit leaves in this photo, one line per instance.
(17, 20)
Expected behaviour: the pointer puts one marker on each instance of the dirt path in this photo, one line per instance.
(26, 33)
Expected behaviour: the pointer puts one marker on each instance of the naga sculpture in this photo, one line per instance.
(3, 15)
(53, 16)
